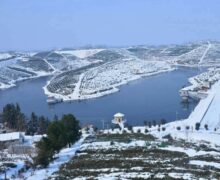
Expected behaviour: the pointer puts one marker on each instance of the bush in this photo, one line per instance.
(163, 128)
(197, 127)
(149, 124)
(130, 128)
(95, 129)
(163, 121)
(154, 123)
(178, 128)
(146, 130)
(138, 131)
(206, 127)
(187, 127)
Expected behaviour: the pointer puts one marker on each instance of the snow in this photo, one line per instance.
(189, 151)
(205, 163)
(62, 157)
(82, 53)
(119, 115)
(105, 79)
(13, 172)
(205, 52)
(5, 56)
(207, 111)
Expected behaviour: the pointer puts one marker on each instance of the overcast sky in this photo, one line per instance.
(46, 24)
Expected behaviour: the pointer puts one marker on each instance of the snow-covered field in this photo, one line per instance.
(137, 154)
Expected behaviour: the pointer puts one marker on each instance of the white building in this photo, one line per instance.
(119, 119)
(12, 137)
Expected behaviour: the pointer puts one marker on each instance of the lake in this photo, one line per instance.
(146, 99)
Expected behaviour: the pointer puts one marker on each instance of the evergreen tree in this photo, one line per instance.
(32, 125)
(43, 125)
(56, 135)
(9, 116)
(72, 128)
(21, 122)
(45, 152)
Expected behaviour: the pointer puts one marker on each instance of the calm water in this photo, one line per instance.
(147, 99)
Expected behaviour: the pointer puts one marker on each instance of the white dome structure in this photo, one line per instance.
(119, 119)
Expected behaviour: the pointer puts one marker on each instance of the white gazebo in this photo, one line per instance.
(119, 119)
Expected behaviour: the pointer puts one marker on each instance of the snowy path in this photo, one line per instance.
(76, 93)
(51, 66)
(64, 156)
(205, 52)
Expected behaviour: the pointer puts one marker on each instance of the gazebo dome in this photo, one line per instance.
(119, 115)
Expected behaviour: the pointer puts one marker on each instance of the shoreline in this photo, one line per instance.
(13, 83)
(112, 90)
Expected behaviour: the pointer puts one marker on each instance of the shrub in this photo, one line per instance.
(149, 124)
(146, 130)
(138, 131)
(197, 127)
(178, 128)
(206, 127)
(163, 121)
(130, 128)
(187, 127)
(154, 123)
(163, 128)
(95, 129)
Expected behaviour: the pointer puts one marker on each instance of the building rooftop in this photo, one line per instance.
(119, 115)
(10, 136)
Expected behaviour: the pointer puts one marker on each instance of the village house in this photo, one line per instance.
(7, 139)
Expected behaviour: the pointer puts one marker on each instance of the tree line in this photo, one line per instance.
(14, 119)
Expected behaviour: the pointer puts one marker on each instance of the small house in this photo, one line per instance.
(11, 138)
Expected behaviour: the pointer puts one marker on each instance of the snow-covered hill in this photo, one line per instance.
(87, 73)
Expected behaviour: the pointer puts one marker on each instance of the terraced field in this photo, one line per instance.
(140, 156)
